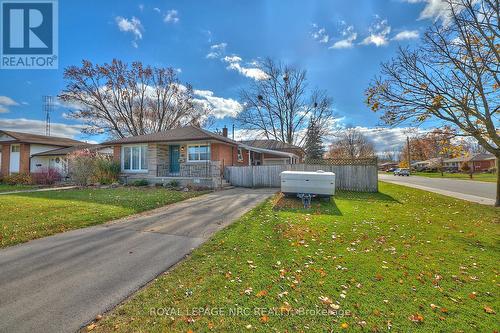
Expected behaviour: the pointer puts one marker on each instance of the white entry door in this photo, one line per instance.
(14, 158)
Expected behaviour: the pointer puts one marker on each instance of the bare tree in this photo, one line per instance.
(452, 77)
(351, 143)
(280, 106)
(124, 100)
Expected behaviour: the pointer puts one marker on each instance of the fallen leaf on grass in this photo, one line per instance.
(264, 319)
(489, 310)
(91, 327)
(261, 293)
(344, 326)
(416, 318)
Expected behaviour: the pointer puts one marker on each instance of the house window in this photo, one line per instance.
(15, 148)
(135, 158)
(240, 155)
(198, 153)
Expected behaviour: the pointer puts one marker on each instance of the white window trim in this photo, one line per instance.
(198, 145)
(140, 165)
(17, 146)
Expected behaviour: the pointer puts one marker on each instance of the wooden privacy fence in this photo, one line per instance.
(350, 175)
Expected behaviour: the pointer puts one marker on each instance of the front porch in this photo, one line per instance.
(167, 163)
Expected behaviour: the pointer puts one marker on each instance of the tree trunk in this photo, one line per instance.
(497, 202)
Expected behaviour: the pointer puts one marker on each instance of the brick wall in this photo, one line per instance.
(226, 154)
(5, 159)
(117, 153)
(24, 158)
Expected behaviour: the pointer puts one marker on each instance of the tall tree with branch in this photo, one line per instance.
(351, 143)
(280, 105)
(123, 100)
(452, 77)
(313, 143)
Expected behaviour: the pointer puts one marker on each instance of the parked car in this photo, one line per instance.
(402, 172)
(391, 170)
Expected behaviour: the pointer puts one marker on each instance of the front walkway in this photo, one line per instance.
(60, 283)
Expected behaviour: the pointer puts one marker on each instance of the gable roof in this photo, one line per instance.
(483, 157)
(187, 133)
(40, 139)
(270, 144)
(69, 150)
(269, 151)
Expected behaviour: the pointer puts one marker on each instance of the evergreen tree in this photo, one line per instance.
(314, 144)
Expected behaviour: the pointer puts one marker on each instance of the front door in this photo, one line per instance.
(174, 159)
(14, 158)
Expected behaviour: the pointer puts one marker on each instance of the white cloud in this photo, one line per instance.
(388, 139)
(378, 33)
(233, 58)
(217, 51)
(348, 38)
(156, 9)
(251, 69)
(172, 16)
(319, 34)
(38, 127)
(436, 9)
(5, 102)
(141, 7)
(407, 34)
(234, 63)
(133, 26)
(220, 107)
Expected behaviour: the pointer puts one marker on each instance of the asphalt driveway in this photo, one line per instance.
(475, 191)
(59, 283)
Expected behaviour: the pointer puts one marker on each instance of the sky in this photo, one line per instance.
(215, 45)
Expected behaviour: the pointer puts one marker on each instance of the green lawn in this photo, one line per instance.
(8, 188)
(403, 259)
(484, 177)
(26, 216)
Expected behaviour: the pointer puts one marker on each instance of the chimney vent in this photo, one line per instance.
(224, 132)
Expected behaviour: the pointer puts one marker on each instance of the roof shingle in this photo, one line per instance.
(188, 133)
(41, 139)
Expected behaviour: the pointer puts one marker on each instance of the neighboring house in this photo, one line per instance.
(430, 164)
(18, 151)
(275, 145)
(455, 164)
(477, 162)
(482, 162)
(188, 155)
(387, 166)
(58, 158)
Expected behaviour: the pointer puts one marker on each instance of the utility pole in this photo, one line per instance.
(47, 109)
(408, 158)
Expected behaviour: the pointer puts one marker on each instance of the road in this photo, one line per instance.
(475, 191)
(60, 283)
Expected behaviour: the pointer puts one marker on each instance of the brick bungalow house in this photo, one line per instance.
(188, 155)
(477, 163)
(18, 153)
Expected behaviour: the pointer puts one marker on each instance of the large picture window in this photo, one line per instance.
(198, 153)
(135, 158)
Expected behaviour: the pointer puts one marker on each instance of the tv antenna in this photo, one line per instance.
(48, 105)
